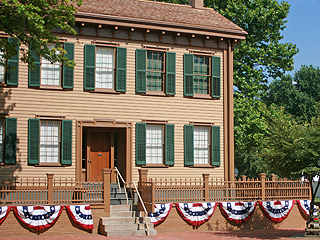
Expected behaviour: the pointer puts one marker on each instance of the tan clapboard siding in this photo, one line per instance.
(130, 107)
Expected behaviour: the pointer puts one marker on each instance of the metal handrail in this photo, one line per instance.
(124, 183)
(137, 190)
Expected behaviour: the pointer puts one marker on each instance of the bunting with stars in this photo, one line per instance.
(277, 211)
(82, 215)
(4, 211)
(161, 212)
(238, 212)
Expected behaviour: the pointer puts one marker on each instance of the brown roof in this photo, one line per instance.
(161, 12)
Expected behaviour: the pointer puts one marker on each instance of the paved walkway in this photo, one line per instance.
(278, 234)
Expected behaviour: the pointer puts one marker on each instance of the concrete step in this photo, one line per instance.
(143, 220)
(130, 233)
(119, 201)
(117, 227)
(117, 220)
(124, 207)
(143, 226)
(121, 214)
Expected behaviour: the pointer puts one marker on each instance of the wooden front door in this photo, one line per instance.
(99, 146)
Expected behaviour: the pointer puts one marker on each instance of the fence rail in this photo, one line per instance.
(163, 190)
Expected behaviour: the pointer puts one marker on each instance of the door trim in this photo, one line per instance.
(103, 124)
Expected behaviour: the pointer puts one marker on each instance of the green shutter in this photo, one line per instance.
(33, 141)
(66, 142)
(121, 71)
(13, 66)
(171, 73)
(216, 79)
(188, 74)
(10, 141)
(141, 76)
(215, 145)
(188, 145)
(89, 67)
(34, 70)
(68, 72)
(169, 144)
(141, 143)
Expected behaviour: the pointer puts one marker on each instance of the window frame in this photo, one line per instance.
(163, 145)
(209, 77)
(209, 146)
(163, 73)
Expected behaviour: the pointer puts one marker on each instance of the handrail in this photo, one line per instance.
(135, 186)
(124, 183)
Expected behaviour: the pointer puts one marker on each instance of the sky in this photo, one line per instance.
(303, 29)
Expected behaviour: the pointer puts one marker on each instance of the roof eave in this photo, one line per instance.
(160, 25)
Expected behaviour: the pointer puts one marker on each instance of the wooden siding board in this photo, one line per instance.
(80, 105)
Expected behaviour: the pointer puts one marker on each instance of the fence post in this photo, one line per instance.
(273, 177)
(50, 187)
(206, 186)
(143, 175)
(262, 177)
(106, 177)
(151, 210)
(244, 178)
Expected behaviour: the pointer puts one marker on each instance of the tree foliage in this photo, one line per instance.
(31, 23)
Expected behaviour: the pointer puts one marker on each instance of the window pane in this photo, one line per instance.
(155, 71)
(201, 145)
(104, 67)
(202, 75)
(49, 141)
(1, 139)
(154, 144)
(2, 67)
(50, 72)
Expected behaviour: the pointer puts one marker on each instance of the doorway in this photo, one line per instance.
(104, 147)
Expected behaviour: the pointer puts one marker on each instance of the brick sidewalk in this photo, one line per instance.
(278, 234)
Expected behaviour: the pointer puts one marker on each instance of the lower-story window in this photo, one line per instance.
(201, 145)
(8, 140)
(49, 141)
(154, 144)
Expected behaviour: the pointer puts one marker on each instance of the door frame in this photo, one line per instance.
(96, 123)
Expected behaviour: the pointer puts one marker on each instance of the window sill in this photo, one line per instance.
(155, 166)
(202, 96)
(49, 87)
(105, 90)
(49, 165)
(202, 166)
(153, 93)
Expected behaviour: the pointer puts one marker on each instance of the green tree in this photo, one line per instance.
(31, 23)
(298, 95)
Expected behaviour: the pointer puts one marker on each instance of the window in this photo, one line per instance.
(8, 140)
(154, 144)
(105, 68)
(9, 68)
(201, 145)
(43, 73)
(50, 141)
(202, 75)
(155, 72)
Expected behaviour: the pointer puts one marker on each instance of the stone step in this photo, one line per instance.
(121, 214)
(117, 220)
(130, 233)
(124, 207)
(143, 220)
(143, 226)
(117, 227)
(119, 201)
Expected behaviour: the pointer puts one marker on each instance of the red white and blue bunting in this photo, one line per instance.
(161, 213)
(82, 215)
(238, 212)
(4, 211)
(277, 211)
(196, 213)
(304, 205)
(38, 217)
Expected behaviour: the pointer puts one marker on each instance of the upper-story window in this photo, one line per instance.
(202, 75)
(43, 73)
(8, 140)
(105, 68)
(9, 68)
(155, 72)
(50, 72)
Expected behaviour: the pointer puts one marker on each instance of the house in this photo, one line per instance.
(152, 89)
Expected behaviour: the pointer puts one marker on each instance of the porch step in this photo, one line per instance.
(118, 196)
(124, 220)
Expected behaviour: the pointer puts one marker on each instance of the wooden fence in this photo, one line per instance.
(206, 189)
(59, 191)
